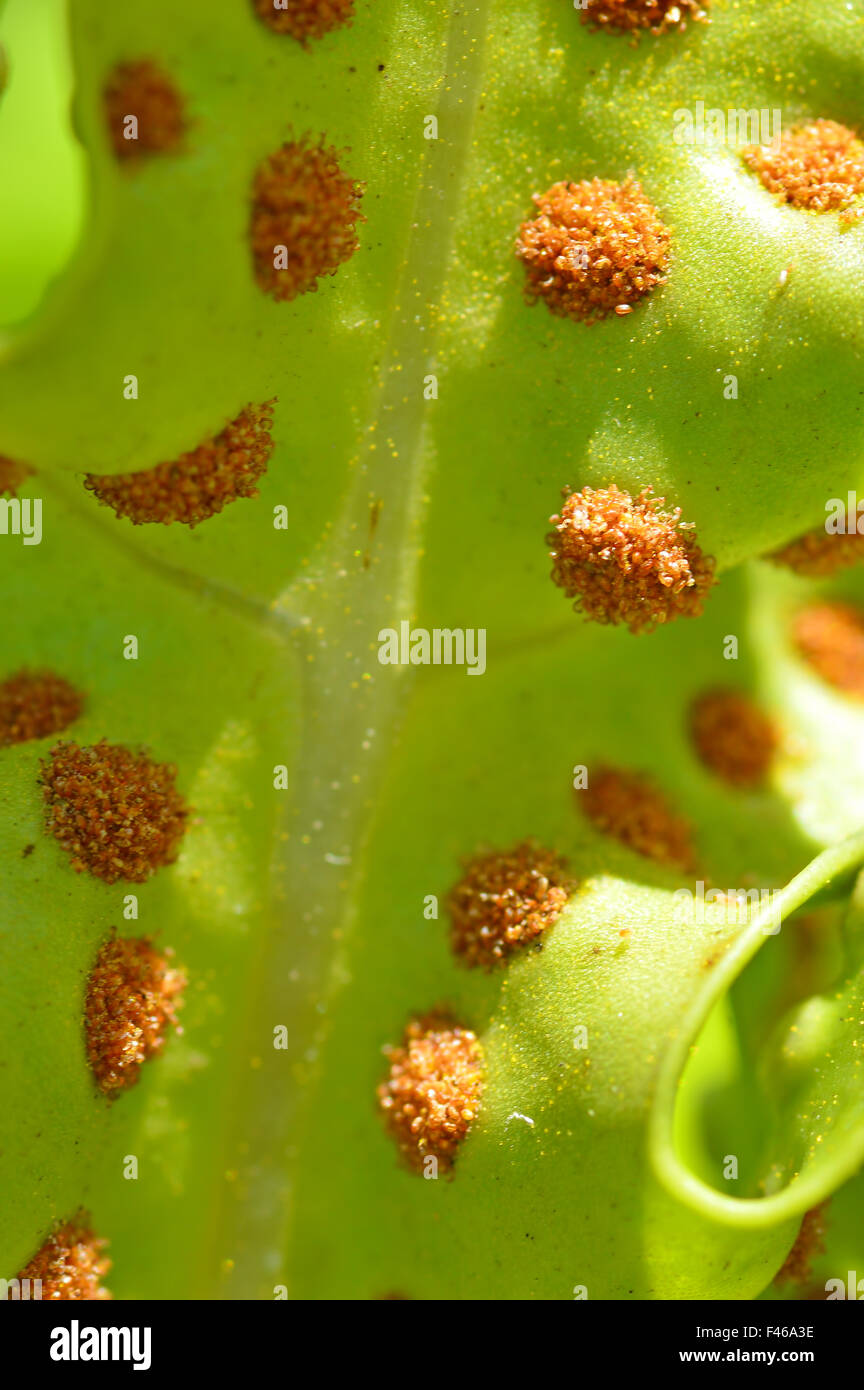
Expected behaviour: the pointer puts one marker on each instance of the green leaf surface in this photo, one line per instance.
(212, 692)
(303, 907)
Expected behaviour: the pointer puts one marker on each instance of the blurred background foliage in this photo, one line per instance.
(42, 166)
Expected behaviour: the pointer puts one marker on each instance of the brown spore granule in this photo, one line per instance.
(133, 993)
(820, 553)
(12, 475)
(819, 166)
(734, 738)
(622, 16)
(594, 248)
(70, 1265)
(305, 19)
(35, 704)
(625, 560)
(629, 807)
(141, 89)
(199, 484)
(809, 1242)
(830, 637)
(116, 812)
(432, 1093)
(302, 201)
(506, 900)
